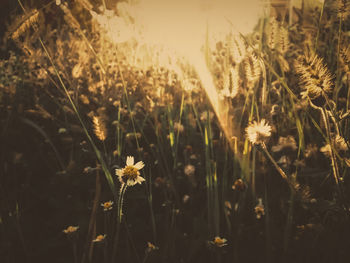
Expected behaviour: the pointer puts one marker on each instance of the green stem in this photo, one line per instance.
(331, 143)
(119, 220)
(318, 29)
(75, 253)
(253, 173)
(278, 168)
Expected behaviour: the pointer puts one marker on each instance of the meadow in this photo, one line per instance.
(123, 144)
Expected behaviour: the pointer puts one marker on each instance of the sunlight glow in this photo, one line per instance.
(182, 30)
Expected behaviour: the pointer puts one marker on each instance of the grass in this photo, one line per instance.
(275, 189)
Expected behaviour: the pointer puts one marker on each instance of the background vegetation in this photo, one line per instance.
(74, 104)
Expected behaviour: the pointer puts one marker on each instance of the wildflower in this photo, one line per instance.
(236, 206)
(259, 209)
(275, 110)
(339, 145)
(239, 185)
(84, 99)
(311, 151)
(188, 148)
(219, 242)
(99, 238)
(131, 135)
(228, 205)
(189, 170)
(284, 161)
(62, 130)
(107, 205)
(178, 127)
(193, 157)
(71, 229)
(204, 116)
(286, 144)
(130, 174)
(151, 247)
(159, 182)
(258, 132)
(190, 85)
(185, 198)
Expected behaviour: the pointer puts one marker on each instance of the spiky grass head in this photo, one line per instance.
(100, 128)
(315, 79)
(343, 8)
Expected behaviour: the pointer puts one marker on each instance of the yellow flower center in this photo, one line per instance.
(219, 241)
(100, 237)
(107, 204)
(130, 173)
(70, 229)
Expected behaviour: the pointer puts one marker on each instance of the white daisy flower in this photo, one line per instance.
(258, 132)
(99, 238)
(219, 242)
(130, 174)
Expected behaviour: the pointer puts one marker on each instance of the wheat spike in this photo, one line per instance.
(283, 40)
(24, 24)
(252, 69)
(343, 8)
(315, 78)
(272, 37)
(100, 128)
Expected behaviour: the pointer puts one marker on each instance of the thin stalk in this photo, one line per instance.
(224, 186)
(133, 247)
(105, 247)
(318, 28)
(253, 172)
(92, 224)
(119, 220)
(278, 168)
(75, 251)
(289, 219)
(150, 203)
(338, 49)
(20, 233)
(209, 182)
(268, 245)
(216, 202)
(331, 143)
(197, 118)
(178, 131)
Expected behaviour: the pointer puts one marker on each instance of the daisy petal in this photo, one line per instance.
(119, 172)
(139, 165)
(140, 180)
(131, 183)
(129, 160)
